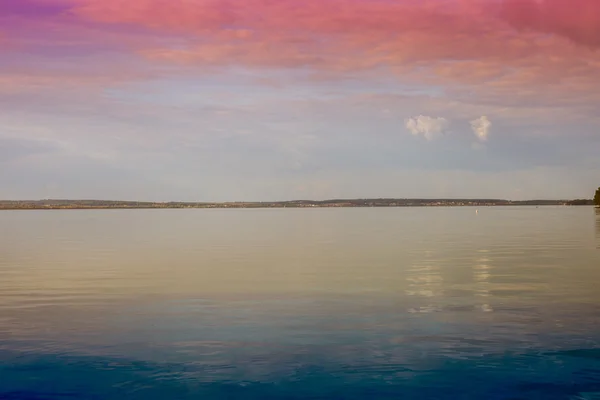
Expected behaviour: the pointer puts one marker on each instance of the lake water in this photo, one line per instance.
(369, 303)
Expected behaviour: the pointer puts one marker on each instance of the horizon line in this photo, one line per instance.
(296, 200)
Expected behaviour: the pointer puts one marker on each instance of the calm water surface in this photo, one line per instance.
(403, 303)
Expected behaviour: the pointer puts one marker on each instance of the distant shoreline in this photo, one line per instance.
(335, 203)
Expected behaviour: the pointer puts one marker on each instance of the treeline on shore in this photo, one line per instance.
(104, 204)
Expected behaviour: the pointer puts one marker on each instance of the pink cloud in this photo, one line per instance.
(453, 43)
(522, 50)
(578, 20)
(36, 81)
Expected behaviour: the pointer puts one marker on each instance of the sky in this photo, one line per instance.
(257, 100)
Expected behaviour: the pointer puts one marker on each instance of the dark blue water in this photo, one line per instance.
(301, 304)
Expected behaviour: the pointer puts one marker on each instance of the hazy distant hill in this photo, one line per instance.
(387, 202)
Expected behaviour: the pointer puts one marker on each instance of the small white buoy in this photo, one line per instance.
(476, 211)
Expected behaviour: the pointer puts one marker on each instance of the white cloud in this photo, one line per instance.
(481, 127)
(429, 127)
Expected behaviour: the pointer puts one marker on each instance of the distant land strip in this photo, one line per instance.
(384, 202)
